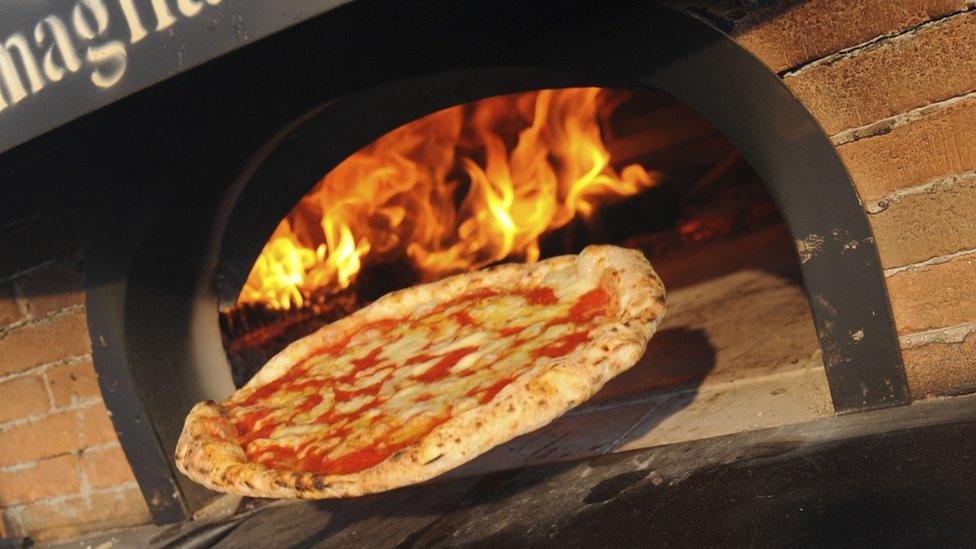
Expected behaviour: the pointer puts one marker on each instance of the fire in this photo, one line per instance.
(454, 191)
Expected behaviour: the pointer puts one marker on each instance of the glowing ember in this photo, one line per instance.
(532, 161)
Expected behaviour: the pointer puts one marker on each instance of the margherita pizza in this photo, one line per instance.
(427, 378)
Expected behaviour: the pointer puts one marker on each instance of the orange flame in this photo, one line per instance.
(400, 194)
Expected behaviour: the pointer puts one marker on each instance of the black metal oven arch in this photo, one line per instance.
(670, 51)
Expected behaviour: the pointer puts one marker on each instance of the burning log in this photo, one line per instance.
(254, 333)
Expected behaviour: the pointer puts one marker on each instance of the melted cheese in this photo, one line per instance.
(348, 409)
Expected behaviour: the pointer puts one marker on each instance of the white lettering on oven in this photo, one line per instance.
(60, 43)
(64, 50)
(14, 48)
(109, 58)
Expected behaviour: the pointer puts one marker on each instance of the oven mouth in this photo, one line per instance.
(518, 177)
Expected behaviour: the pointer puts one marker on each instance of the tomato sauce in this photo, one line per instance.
(311, 402)
(383, 324)
(563, 346)
(476, 295)
(263, 432)
(275, 455)
(265, 391)
(510, 331)
(254, 425)
(368, 456)
(361, 364)
(346, 396)
(247, 422)
(485, 394)
(356, 460)
(589, 306)
(463, 318)
(543, 295)
(331, 349)
(441, 369)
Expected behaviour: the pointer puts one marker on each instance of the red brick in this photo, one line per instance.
(9, 310)
(935, 223)
(936, 296)
(50, 436)
(45, 521)
(816, 28)
(940, 369)
(23, 397)
(104, 468)
(95, 426)
(897, 75)
(56, 476)
(53, 288)
(935, 146)
(60, 338)
(71, 383)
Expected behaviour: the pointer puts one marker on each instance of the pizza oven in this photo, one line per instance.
(335, 180)
(243, 204)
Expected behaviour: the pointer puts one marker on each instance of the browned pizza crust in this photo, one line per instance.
(208, 451)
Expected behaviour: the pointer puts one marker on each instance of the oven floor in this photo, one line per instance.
(737, 352)
(898, 476)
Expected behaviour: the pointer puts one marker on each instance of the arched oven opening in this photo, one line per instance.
(524, 177)
(532, 175)
(685, 148)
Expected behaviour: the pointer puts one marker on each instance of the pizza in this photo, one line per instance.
(427, 378)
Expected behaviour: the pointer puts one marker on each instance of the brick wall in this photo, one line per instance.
(62, 472)
(894, 85)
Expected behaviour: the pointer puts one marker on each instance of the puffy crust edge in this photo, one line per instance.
(208, 451)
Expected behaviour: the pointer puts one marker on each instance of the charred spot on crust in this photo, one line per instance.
(320, 484)
(281, 484)
(661, 299)
(429, 461)
(511, 407)
(542, 402)
(248, 484)
(396, 456)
